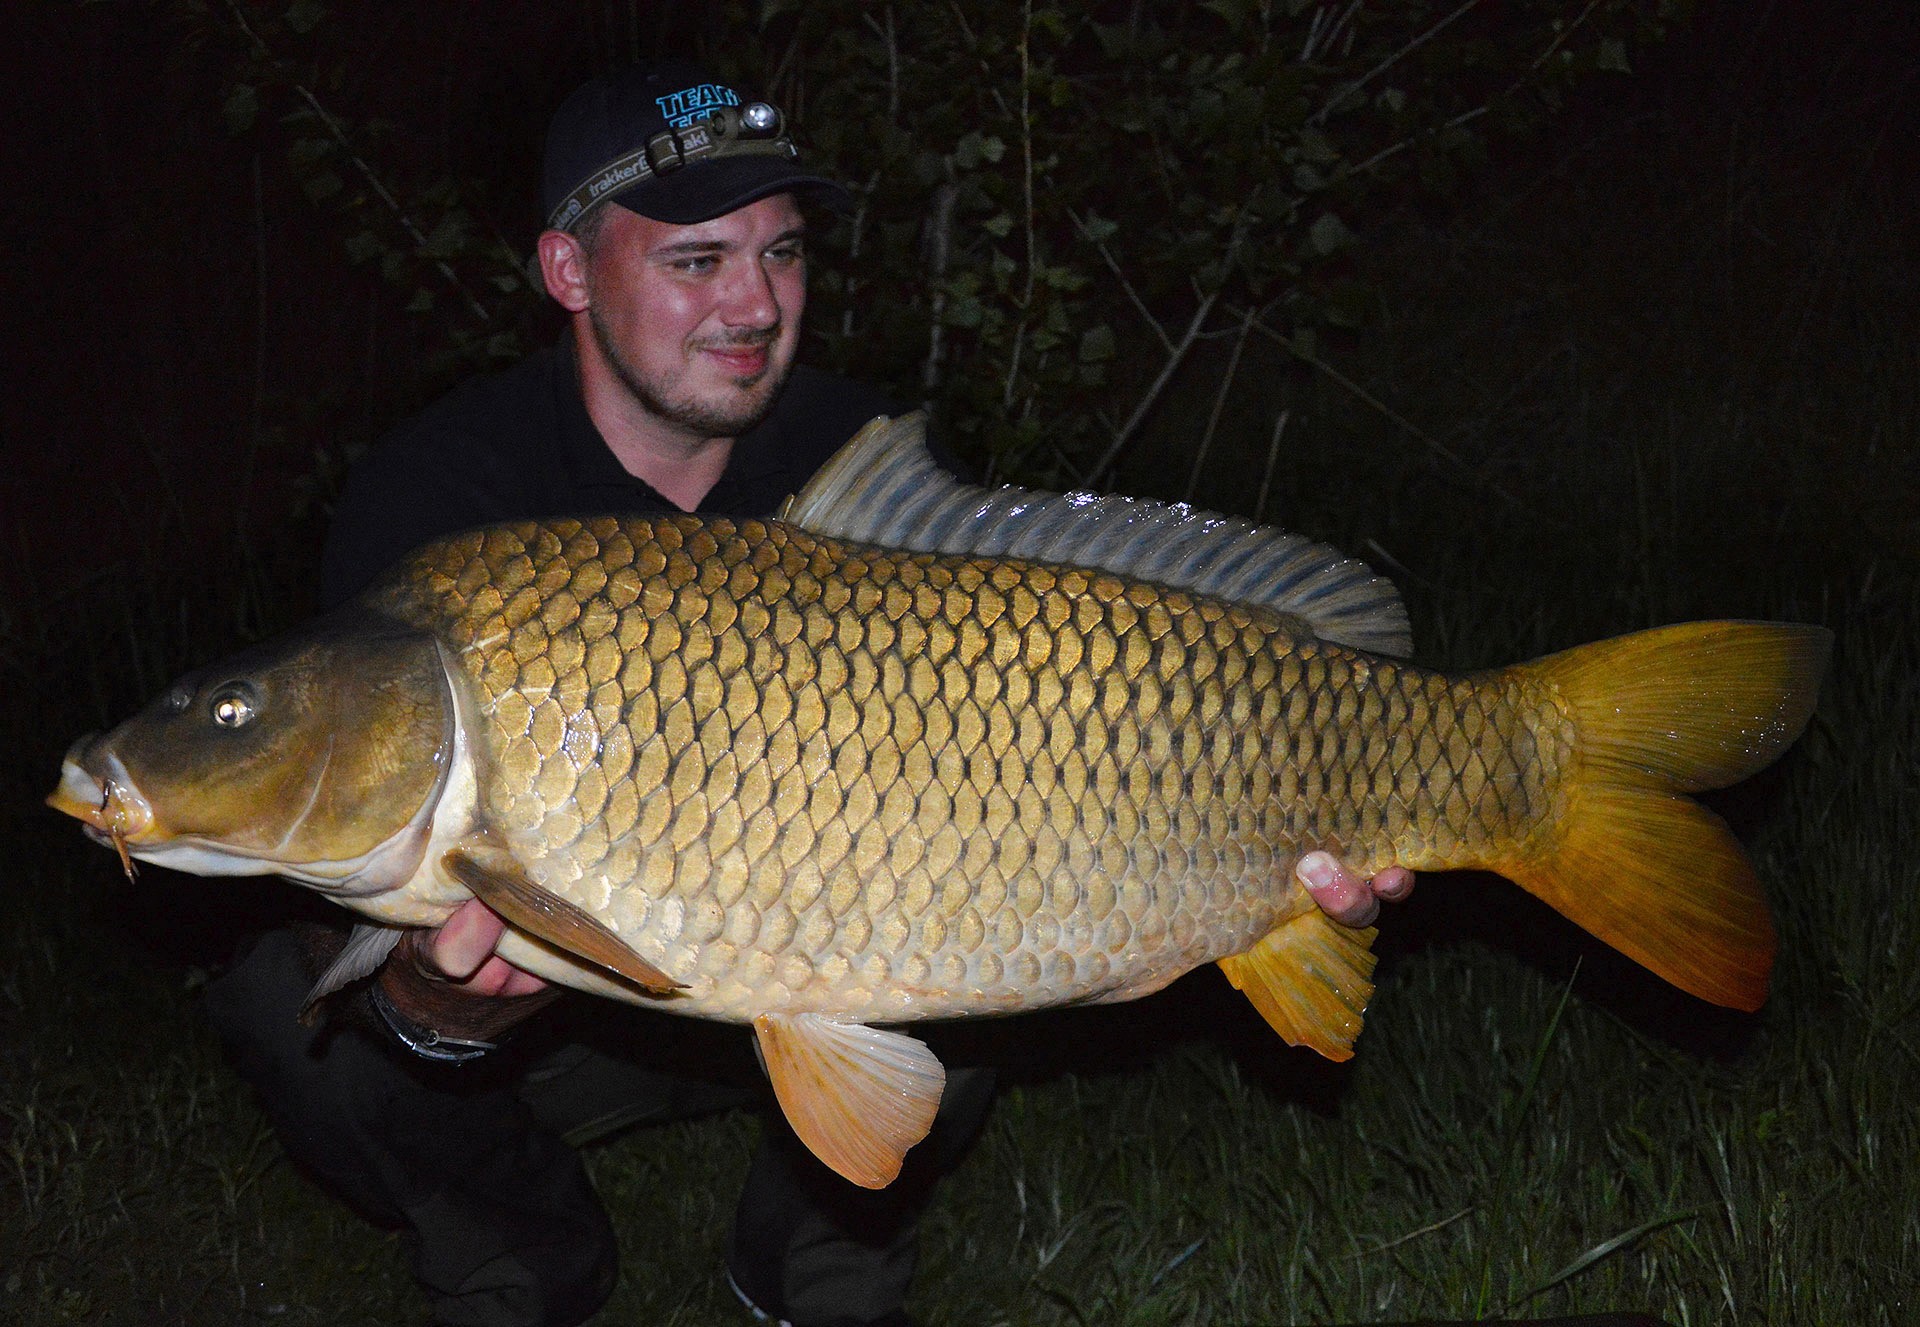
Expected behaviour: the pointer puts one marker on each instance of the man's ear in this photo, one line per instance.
(563, 265)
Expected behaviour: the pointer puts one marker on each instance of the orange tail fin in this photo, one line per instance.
(1660, 714)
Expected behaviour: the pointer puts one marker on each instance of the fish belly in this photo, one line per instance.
(801, 775)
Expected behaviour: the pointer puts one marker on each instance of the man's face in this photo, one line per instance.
(701, 322)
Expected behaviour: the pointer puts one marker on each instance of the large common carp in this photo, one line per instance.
(789, 773)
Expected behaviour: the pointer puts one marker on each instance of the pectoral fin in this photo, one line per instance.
(500, 883)
(858, 1096)
(1310, 978)
(366, 949)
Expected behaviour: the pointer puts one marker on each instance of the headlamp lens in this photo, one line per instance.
(756, 129)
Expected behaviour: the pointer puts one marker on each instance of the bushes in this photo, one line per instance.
(1061, 208)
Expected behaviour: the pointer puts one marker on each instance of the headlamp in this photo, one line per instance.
(754, 129)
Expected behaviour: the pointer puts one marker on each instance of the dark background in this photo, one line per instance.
(192, 357)
(190, 354)
(1679, 324)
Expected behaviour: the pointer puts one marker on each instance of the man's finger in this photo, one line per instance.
(1393, 884)
(1342, 895)
(467, 940)
(499, 977)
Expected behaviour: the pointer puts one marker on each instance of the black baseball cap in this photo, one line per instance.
(670, 141)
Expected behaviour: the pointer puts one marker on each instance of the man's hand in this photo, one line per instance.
(461, 952)
(449, 979)
(1346, 897)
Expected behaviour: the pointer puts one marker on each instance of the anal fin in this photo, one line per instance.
(1310, 978)
(859, 1097)
(500, 883)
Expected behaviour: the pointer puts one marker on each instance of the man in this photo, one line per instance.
(676, 245)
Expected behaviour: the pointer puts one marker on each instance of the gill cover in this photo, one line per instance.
(318, 751)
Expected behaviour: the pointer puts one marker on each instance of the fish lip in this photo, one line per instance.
(108, 804)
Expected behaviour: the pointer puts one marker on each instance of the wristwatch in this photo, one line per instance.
(425, 1042)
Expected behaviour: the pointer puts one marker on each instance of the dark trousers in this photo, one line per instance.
(477, 1162)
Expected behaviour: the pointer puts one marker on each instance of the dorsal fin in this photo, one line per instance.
(883, 488)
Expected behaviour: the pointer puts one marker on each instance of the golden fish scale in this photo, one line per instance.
(800, 774)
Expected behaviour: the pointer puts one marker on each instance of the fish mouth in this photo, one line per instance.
(107, 804)
(108, 801)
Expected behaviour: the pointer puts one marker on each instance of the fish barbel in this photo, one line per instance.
(923, 751)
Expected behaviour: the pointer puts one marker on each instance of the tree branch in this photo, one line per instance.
(1219, 402)
(1347, 90)
(380, 191)
(1433, 444)
(1106, 254)
(1174, 356)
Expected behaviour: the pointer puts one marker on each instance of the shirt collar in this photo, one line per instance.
(590, 463)
(762, 459)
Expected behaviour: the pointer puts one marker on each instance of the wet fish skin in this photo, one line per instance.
(352, 757)
(765, 772)
(795, 774)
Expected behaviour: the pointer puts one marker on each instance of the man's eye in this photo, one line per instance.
(787, 253)
(699, 266)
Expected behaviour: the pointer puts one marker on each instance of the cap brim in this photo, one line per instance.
(713, 188)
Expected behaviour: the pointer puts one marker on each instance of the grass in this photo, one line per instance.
(1699, 388)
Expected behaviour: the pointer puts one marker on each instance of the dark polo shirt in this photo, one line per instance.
(520, 444)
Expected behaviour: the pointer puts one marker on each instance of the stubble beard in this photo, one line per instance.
(703, 419)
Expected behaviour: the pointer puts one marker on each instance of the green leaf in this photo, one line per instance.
(975, 147)
(1099, 228)
(964, 312)
(1329, 234)
(306, 151)
(422, 301)
(322, 185)
(998, 225)
(241, 108)
(445, 239)
(1062, 278)
(1316, 147)
(364, 246)
(1613, 55)
(305, 15)
(1097, 344)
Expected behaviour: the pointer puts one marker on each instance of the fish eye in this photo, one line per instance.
(232, 705)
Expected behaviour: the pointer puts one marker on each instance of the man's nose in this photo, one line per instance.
(751, 298)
